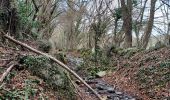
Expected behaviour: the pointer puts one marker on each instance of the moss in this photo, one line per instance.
(60, 56)
(51, 73)
(44, 46)
(85, 52)
(129, 52)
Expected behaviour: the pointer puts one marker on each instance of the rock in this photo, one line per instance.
(102, 91)
(44, 46)
(101, 74)
(116, 98)
(112, 96)
(100, 86)
(110, 90)
(126, 97)
(104, 98)
(42, 67)
(55, 76)
(105, 87)
(132, 99)
(119, 93)
(74, 62)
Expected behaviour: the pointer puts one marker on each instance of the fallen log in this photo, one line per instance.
(6, 73)
(55, 60)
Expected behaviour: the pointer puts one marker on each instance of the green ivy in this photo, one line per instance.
(25, 11)
(154, 76)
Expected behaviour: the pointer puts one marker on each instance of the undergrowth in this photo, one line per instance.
(25, 91)
(91, 66)
(154, 77)
(52, 74)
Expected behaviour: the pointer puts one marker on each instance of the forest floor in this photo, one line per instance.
(19, 84)
(145, 75)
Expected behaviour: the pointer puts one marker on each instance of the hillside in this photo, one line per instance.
(144, 76)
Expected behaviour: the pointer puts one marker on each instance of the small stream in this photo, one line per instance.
(98, 84)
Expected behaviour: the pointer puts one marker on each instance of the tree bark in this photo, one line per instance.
(8, 17)
(4, 17)
(127, 22)
(138, 24)
(148, 29)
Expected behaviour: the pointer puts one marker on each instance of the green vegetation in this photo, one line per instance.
(129, 52)
(25, 12)
(91, 67)
(44, 45)
(51, 73)
(104, 33)
(154, 76)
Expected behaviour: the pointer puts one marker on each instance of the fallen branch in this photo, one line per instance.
(6, 73)
(55, 60)
(76, 88)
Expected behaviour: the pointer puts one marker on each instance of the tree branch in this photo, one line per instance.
(6, 73)
(165, 3)
(56, 61)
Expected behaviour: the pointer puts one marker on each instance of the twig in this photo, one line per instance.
(76, 88)
(56, 61)
(6, 73)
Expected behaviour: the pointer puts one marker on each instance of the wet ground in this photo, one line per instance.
(98, 84)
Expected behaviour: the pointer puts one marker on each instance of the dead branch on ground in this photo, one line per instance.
(56, 61)
(6, 73)
(77, 90)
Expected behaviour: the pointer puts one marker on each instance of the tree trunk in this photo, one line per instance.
(127, 22)
(115, 38)
(148, 29)
(4, 7)
(8, 18)
(167, 36)
(138, 24)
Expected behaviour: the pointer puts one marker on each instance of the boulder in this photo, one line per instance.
(101, 74)
(55, 76)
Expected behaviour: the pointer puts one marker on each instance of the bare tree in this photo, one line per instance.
(139, 22)
(148, 29)
(165, 13)
(127, 22)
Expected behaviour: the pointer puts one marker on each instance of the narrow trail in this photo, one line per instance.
(101, 86)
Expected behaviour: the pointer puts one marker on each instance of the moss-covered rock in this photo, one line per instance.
(111, 50)
(51, 73)
(157, 46)
(44, 45)
(60, 56)
(129, 52)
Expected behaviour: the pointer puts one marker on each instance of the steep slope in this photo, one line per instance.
(145, 75)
